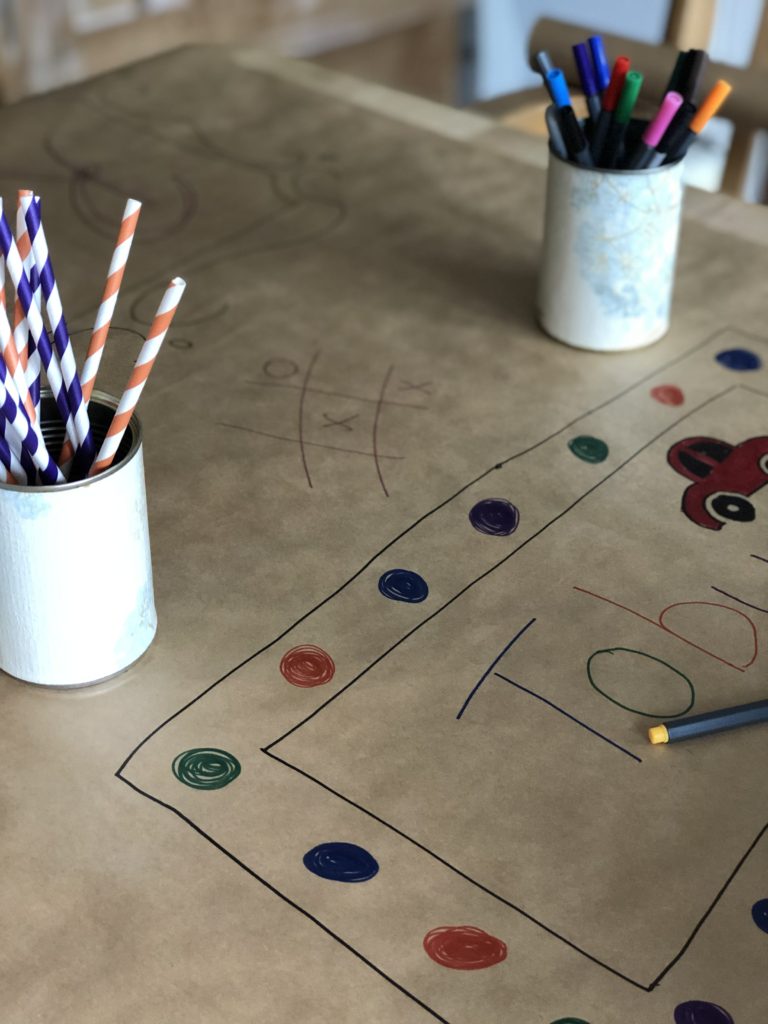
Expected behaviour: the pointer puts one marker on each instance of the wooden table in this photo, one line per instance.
(356, 346)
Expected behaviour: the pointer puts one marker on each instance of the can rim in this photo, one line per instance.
(134, 423)
(662, 168)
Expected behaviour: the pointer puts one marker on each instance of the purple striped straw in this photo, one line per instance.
(23, 342)
(18, 423)
(61, 337)
(36, 326)
(13, 365)
(5, 463)
(13, 456)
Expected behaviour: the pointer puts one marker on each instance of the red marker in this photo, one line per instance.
(609, 101)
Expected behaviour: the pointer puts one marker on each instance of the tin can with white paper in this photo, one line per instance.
(76, 602)
(608, 261)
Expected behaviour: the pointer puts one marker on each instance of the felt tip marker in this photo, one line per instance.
(614, 142)
(587, 79)
(558, 88)
(654, 131)
(544, 65)
(674, 135)
(708, 723)
(575, 140)
(695, 65)
(709, 107)
(600, 62)
(610, 99)
(556, 139)
(677, 78)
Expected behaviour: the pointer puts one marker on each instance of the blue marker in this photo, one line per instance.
(558, 88)
(544, 64)
(587, 79)
(600, 62)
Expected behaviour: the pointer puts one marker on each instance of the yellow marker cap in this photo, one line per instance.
(658, 734)
(710, 105)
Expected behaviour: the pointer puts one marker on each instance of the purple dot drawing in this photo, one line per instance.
(697, 1012)
(495, 517)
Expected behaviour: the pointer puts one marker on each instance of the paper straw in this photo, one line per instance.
(107, 307)
(9, 356)
(61, 337)
(21, 396)
(18, 422)
(14, 367)
(6, 476)
(109, 298)
(165, 313)
(20, 326)
(7, 458)
(37, 329)
(34, 365)
(18, 465)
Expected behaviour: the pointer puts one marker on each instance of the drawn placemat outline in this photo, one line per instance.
(268, 750)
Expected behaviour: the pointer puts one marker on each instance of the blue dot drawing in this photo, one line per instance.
(760, 915)
(341, 862)
(739, 359)
(403, 585)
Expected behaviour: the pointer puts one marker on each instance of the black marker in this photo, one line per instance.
(695, 66)
(574, 138)
(710, 722)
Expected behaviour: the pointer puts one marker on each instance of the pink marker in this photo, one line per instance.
(655, 129)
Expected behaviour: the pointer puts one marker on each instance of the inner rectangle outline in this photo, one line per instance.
(268, 749)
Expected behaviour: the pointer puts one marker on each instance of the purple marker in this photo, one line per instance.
(587, 79)
(651, 137)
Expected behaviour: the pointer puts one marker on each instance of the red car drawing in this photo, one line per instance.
(724, 476)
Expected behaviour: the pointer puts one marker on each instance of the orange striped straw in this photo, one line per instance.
(20, 328)
(109, 298)
(106, 308)
(141, 370)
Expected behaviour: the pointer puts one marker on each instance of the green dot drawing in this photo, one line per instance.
(206, 768)
(590, 449)
(637, 711)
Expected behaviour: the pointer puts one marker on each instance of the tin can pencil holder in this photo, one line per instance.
(77, 604)
(608, 261)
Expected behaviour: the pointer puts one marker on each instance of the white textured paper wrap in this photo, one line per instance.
(608, 262)
(76, 604)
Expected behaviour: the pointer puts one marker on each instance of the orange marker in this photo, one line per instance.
(710, 106)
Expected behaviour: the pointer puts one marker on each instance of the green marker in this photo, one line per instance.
(614, 144)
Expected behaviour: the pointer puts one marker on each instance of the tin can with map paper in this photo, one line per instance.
(77, 603)
(608, 261)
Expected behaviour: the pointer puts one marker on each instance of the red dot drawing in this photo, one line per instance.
(463, 947)
(668, 394)
(307, 666)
